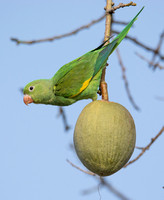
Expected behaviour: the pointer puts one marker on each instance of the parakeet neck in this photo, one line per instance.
(45, 93)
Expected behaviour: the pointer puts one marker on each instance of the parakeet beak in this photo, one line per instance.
(27, 99)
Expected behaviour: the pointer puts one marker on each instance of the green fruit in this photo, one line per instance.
(104, 137)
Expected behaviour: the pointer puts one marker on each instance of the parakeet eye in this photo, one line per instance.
(31, 88)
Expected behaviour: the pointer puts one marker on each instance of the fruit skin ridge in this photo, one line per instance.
(104, 137)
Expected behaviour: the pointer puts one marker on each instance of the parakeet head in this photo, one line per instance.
(38, 91)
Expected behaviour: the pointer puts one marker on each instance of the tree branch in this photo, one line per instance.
(50, 39)
(109, 10)
(157, 50)
(151, 63)
(147, 147)
(133, 39)
(112, 189)
(119, 22)
(160, 98)
(86, 172)
(62, 113)
(121, 5)
(103, 84)
(125, 81)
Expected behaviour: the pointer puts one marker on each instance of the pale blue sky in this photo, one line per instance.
(33, 144)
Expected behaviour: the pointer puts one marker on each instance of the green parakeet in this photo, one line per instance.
(79, 79)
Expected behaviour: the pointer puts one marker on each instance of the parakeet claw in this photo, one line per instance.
(27, 99)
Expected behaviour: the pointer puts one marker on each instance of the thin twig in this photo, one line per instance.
(146, 148)
(50, 39)
(133, 39)
(88, 191)
(141, 148)
(121, 5)
(155, 65)
(157, 50)
(109, 186)
(62, 113)
(86, 172)
(119, 22)
(123, 69)
(21, 90)
(160, 98)
(112, 189)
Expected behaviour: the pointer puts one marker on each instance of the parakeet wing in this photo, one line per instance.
(75, 76)
(81, 71)
(78, 76)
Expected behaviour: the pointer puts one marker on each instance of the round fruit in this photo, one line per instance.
(104, 137)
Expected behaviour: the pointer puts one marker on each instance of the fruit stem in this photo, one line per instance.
(103, 84)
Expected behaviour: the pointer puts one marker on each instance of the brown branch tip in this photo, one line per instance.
(121, 5)
(86, 172)
(146, 148)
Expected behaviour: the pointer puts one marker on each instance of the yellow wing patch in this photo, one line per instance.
(85, 84)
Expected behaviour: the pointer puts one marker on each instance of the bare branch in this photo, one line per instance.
(88, 191)
(160, 98)
(133, 39)
(86, 172)
(109, 186)
(157, 50)
(121, 5)
(50, 39)
(109, 10)
(21, 90)
(62, 113)
(112, 189)
(146, 148)
(119, 22)
(103, 84)
(141, 148)
(125, 81)
(154, 65)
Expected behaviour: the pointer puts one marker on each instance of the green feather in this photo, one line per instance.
(79, 79)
